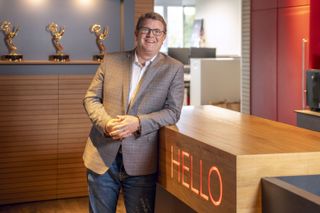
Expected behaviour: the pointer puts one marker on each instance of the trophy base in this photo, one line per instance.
(15, 57)
(59, 58)
(98, 57)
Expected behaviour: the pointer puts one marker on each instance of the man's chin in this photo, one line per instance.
(150, 50)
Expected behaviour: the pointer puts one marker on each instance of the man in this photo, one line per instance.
(132, 96)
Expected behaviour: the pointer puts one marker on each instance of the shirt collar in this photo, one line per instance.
(136, 61)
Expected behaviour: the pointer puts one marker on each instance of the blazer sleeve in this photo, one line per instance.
(93, 101)
(171, 111)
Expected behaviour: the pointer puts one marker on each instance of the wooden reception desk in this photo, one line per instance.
(213, 159)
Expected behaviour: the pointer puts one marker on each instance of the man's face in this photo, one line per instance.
(150, 37)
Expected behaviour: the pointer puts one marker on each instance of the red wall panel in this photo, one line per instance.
(263, 4)
(314, 34)
(291, 3)
(264, 64)
(293, 26)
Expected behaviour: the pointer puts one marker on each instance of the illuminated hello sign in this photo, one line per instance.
(179, 160)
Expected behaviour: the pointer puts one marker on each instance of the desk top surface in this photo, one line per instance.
(242, 134)
(308, 112)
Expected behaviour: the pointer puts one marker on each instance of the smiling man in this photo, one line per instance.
(133, 94)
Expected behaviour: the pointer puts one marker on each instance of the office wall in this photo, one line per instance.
(222, 22)
(32, 16)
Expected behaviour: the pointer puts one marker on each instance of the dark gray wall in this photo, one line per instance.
(34, 42)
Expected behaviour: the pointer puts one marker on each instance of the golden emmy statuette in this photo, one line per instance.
(9, 33)
(100, 37)
(57, 34)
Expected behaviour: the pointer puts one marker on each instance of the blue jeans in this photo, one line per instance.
(139, 191)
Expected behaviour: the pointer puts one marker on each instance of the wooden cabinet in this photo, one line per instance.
(43, 131)
(28, 137)
(263, 4)
(272, 4)
(276, 62)
(264, 63)
(314, 43)
(290, 60)
(73, 130)
(292, 3)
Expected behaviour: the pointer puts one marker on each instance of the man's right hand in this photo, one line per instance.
(109, 127)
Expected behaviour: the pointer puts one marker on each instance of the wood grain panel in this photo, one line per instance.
(241, 147)
(71, 135)
(79, 192)
(73, 141)
(13, 87)
(71, 101)
(28, 158)
(74, 127)
(29, 148)
(31, 118)
(30, 174)
(66, 117)
(141, 7)
(28, 132)
(28, 186)
(32, 93)
(31, 103)
(43, 130)
(73, 176)
(14, 180)
(31, 132)
(18, 140)
(28, 196)
(29, 97)
(30, 163)
(51, 110)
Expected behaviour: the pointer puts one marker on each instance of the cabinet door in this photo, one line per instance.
(291, 3)
(293, 26)
(264, 64)
(73, 130)
(263, 4)
(28, 132)
(314, 43)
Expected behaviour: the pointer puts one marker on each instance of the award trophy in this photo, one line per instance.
(9, 33)
(100, 36)
(57, 34)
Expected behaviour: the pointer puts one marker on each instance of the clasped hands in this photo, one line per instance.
(122, 126)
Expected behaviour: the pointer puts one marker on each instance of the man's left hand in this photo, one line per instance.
(126, 126)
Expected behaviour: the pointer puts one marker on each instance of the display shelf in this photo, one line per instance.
(45, 62)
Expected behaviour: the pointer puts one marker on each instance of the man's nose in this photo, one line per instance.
(149, 33)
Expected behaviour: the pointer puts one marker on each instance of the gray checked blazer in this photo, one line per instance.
(157, 103)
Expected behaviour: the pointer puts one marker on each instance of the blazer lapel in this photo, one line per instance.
(126, 80)
(149, 74)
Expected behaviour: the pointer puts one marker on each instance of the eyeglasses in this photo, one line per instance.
(155, 32)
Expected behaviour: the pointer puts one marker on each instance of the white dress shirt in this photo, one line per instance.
(137, 72)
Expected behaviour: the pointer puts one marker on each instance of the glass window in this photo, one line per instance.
(179, 25)
(189, 15)
(159, 9)
(175, 26)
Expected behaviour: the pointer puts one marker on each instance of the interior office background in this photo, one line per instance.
(83, 16)
(222, 23)
(76, 16)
